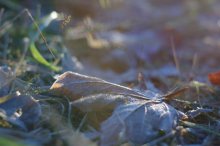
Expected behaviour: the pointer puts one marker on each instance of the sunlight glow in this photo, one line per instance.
(54, 15)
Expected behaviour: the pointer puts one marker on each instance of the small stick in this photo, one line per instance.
(45, 41)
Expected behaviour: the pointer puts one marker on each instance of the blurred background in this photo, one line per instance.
(117, 39)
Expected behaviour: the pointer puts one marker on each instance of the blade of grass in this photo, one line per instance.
(7, 25)
(36, 54)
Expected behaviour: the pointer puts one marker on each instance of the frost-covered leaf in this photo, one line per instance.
(90, 94)
(138, 122)
(30, 109)
(76, 86)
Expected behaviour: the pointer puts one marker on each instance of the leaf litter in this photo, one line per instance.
(138, 123)
(139, 120)
(117, 108)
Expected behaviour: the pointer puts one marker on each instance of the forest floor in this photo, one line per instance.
(109, 73)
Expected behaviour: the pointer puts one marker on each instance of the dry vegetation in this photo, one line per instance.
(109, 73)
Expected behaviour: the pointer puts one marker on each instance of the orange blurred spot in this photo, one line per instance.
(214, 78)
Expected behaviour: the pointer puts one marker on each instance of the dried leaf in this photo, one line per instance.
(138, 122)
(30, 109)
(214, 78)
(75, 86)
(94, 95)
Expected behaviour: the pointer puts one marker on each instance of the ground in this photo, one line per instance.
(109, 72)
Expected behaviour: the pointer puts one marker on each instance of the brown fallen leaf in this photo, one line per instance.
(135, 118)
(75, 86)
(94, 95)
(214, 78)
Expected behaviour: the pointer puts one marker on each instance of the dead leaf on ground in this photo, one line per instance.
(94, 95)
(138, 122)
(133, 119)
(76, 86)
(22, 110)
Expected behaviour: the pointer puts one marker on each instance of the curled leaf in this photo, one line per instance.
(75, 86)
(94, 95)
